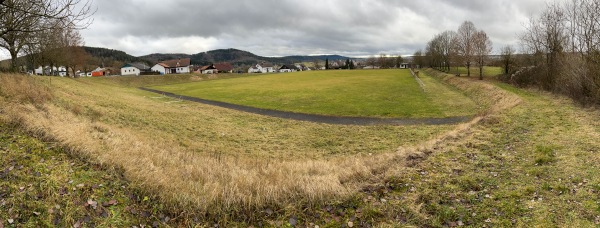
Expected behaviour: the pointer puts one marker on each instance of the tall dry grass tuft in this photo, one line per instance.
(229, 185)
(24, 89)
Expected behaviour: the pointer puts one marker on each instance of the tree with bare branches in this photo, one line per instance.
(464, 44)
(22, 20)
(507, 55)
(482, 47)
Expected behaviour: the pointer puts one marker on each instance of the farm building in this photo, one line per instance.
(210, 69)
(224, 67)
(134, 69)
(175, 66)
(262, 68)
(98, 72)
(288, 68)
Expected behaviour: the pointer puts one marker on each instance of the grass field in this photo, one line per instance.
(382, 93)
(529, 159)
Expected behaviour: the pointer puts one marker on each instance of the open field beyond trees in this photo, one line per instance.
(372, 93)
(526, 159)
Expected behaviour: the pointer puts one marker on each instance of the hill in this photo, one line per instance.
(237, 57)
(116, 58)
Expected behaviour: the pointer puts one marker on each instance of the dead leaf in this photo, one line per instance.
(10, 221)
(77, 224)
(36, 213)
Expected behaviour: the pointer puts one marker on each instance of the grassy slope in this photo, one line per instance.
(42, 186)
(487, 71)
(533, 165)
(382, 93)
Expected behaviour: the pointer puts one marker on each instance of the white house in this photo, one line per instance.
(262, 68)
(175, 66)
(134, 69)
(404, 65)
(56, 71)
(288, 68)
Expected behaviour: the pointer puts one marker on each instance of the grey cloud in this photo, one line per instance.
(288, 27)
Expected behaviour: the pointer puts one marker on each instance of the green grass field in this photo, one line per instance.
(374, 93)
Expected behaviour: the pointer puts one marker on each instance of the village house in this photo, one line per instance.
(134, 69)
(262, 68)
(288, 68)
(54, 71)
(224, 67)
(175, 66)
(210, 69)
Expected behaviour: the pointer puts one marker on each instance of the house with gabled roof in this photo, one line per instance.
(134, 69)
(288, 68)
(224, 67)
(262, 68)
(175, 66)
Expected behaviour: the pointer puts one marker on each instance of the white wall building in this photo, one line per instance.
(176, 66)
(134, 69)
(262, 68)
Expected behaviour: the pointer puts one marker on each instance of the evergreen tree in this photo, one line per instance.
(347, 64)
(327, 64)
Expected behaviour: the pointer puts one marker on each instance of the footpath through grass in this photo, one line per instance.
(372, 93)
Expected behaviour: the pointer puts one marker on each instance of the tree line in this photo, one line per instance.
(562, 51)
(466, 47)
(46, 31)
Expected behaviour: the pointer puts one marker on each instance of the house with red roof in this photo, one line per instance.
(224, 67)
(175, 66)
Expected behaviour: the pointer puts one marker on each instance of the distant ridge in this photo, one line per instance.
(238, 58)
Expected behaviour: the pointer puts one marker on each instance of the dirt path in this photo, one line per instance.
(320, 118)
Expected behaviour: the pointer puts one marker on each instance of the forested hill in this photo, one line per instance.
(116, 58)
(238, 57)
(110, 55)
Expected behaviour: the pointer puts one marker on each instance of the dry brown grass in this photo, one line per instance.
(23, 89)
(227, 162)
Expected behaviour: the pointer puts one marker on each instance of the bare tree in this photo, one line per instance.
(382, 61)
(418, 58)
(317, 64)
(371, 61)
(483, 47)
(508, 59)
(464, 44)
(21, 20)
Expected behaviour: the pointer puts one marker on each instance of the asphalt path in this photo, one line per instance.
(340, 120)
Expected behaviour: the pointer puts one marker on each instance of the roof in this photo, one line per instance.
(287, 66)
(266, 65)
(224, 66)
(141, 66)
(208, 67)
(162, 65)
(176, 63)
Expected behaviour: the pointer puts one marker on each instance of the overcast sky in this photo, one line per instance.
(298, 27)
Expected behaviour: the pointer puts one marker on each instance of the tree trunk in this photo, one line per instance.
(13, 60)
(481, 72)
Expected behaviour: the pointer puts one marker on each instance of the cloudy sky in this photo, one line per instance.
(297, 27)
